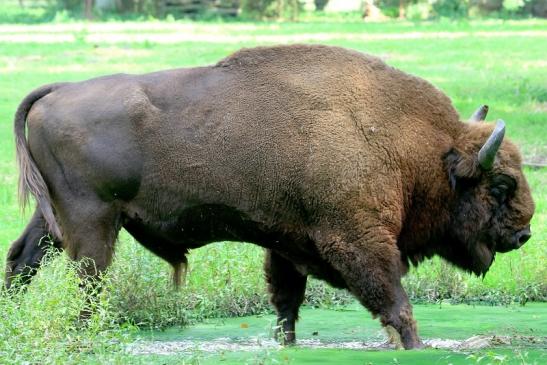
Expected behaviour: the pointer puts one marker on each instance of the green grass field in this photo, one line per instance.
(502, 64)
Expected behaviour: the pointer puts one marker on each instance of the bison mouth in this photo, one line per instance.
(514, 241)
(475, 257)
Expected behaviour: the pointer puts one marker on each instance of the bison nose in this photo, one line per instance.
(523, 236)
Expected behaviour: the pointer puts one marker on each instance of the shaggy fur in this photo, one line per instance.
(340, 166)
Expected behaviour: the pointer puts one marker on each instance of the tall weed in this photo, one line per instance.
(40, 322)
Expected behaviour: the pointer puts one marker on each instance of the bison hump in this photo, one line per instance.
(296, 56)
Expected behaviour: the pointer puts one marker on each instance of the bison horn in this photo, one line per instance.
(480, 114)
(487, 153)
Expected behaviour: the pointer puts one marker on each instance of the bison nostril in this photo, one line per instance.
(523, 236)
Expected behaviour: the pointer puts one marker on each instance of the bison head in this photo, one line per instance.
(492, 205)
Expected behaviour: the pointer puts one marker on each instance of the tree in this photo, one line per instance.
(88, 9)
(402, 6)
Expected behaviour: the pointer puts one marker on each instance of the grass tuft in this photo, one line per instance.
(41, 322)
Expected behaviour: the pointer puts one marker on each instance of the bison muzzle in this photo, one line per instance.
(340, 166)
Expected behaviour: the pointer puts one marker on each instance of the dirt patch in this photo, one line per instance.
(535, 160)
(200, 35)
(256, 344)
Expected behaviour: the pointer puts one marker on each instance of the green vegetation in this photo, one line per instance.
(498, 63)
(31, 11)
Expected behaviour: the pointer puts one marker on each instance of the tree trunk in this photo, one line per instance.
(88, 10)
(280, 9)
(140, 6)
(401, 9)
(372, 13)
(294, 10)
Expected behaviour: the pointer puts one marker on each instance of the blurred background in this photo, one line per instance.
(368, 10)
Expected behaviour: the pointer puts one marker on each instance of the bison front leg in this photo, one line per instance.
(287, 287)
(26, 253)
(372, 269)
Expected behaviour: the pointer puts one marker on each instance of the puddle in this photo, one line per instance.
(453, 328)
(224, 344)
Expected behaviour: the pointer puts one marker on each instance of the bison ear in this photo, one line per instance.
(460, 168)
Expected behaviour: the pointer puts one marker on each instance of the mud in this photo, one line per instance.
(224, 344)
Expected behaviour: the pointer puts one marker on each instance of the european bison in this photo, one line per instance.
(340, 166)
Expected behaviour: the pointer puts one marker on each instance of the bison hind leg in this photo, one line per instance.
(90, 229)
(27, 252)
(287, 287)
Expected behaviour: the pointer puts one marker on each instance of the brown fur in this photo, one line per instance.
(342, 167)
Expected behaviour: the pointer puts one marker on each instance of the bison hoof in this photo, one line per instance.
(415, 344)
(285, 338)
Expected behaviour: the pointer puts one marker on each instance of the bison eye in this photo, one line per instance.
(502, 187)
(500, 193)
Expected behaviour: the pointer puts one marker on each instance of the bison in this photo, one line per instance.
(340, 166)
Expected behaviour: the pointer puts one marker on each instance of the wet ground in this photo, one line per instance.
(457, 334)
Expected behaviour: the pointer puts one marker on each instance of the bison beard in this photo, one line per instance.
(340, 166)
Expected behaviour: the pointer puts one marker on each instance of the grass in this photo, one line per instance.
(498, 63)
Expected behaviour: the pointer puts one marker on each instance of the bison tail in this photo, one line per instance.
(30, 179)
(179, 272)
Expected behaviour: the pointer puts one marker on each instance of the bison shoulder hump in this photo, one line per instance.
(297, 54)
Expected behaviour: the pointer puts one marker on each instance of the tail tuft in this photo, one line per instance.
(179, 273)
(31, 180)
